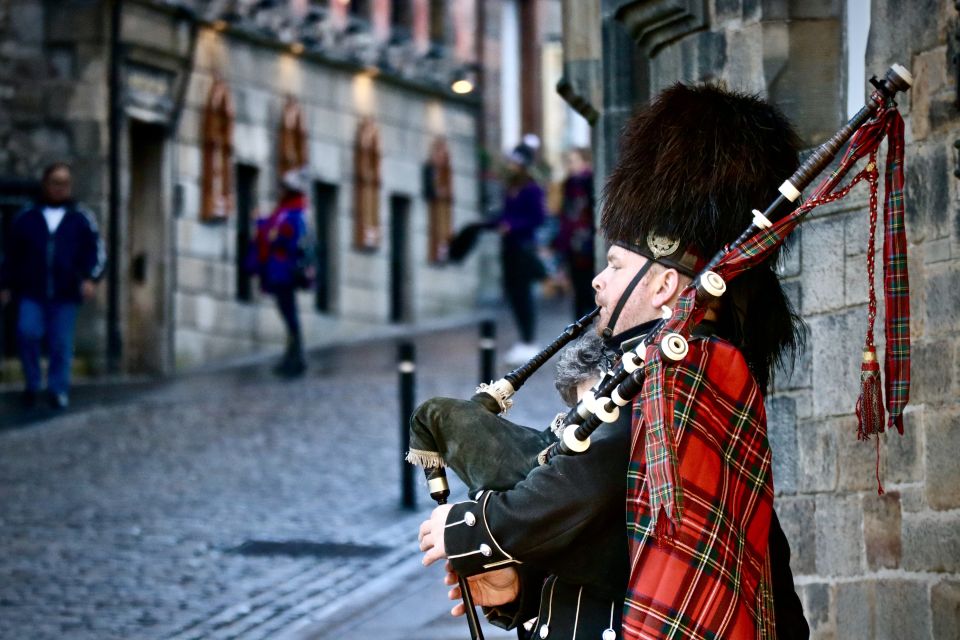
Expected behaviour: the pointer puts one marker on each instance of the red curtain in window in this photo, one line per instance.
(366, 179)
(292, 151)
(217, 201)
(441, 200)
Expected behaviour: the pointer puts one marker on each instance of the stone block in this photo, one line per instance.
(189, 348)
(808, 9)
(186, 310)
(930, 372)
(901, 454)
(836, 341)
(936, 251)
(927, 202)
(855, 281)
(942, 299)
(816, 609)
(208, 312)
(881, 530)
(326, 161)
(857, 466)
(252, 144)
(903, 610)
(855, 606)
(931, 542)
(912, 499)
(945, 606)
(896, 33)
(822, 260)
(931, 66)
(839, 522)
(189, 162)
(782, 434)
(941, 447)
(816, 440)
(86, 136)
(191, 274)
(797, 516)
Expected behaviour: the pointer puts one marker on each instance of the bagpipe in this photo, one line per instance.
(489, 452)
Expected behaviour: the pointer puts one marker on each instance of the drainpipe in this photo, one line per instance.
(114, 338)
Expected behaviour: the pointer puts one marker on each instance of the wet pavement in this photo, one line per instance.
(233, 504)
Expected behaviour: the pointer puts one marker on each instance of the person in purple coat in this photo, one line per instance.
(524, 210)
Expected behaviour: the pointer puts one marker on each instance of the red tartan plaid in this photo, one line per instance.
(710, 578)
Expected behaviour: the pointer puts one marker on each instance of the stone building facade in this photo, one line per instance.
(121, 90)
(866, 566)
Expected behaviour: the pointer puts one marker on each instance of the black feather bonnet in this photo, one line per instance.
(693, 165)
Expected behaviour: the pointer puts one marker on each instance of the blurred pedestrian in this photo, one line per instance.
(574, 240)
(524, 210)
(278, 257)
(53, 260)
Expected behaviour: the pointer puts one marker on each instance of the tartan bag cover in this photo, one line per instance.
(709, 578)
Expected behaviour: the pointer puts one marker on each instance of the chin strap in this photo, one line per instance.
(607, 332)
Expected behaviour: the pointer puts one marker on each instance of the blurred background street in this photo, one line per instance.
(236, 504)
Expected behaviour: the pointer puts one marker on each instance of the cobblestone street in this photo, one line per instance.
(152, 516)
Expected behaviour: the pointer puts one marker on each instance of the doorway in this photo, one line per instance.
(146, 325)
(400, 302)
(247, 176)
(325, 212)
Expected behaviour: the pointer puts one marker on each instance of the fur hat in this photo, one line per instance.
(692, 166)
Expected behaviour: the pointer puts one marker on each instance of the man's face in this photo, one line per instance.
(609, 284)
(58, 186)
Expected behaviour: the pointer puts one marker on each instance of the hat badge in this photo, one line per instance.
(661, 245)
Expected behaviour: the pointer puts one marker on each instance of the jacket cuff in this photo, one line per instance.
(470, 545)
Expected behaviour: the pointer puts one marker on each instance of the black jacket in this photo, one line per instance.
(41, 266)
(563, 528)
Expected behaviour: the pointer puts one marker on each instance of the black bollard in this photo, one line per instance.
(406, 366)
(488, 350)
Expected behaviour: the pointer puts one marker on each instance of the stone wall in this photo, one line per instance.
(866, 566)
(53, 102)
(210, 322)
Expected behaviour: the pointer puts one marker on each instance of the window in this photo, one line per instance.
(367, 232)
(439, 195)
(292, 151)
(217, 136)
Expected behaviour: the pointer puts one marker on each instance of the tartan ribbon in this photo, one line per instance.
(660, 446)
(656, 399)
(896, 284)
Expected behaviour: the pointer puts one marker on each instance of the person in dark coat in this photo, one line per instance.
(544, 521)
(53, 259)
(524, 211)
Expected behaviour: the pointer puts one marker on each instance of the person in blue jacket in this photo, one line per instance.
(53, 259)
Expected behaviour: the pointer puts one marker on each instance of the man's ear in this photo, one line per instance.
(667, 286)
